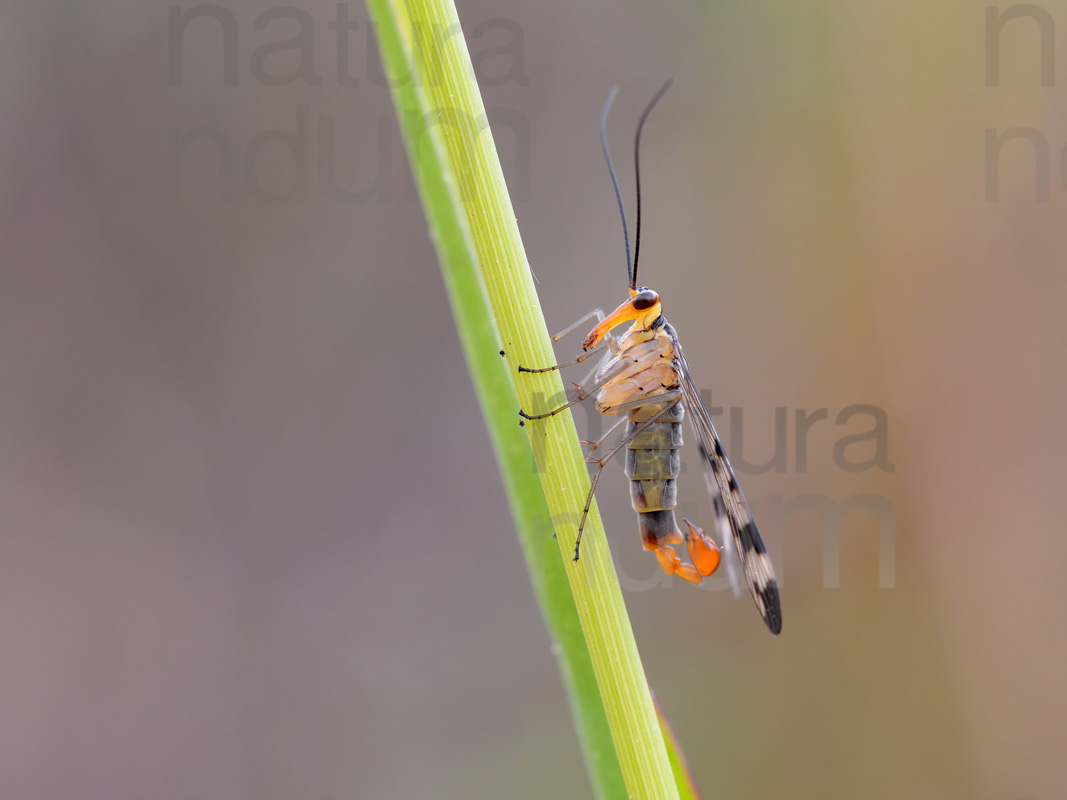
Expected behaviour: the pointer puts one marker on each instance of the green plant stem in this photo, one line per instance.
(496, 394)
(456, 165)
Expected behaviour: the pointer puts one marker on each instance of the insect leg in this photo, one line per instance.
(600, 441)
(554, 367)
(596, 368)
(582, 393)
(596, 312)
(608, 338)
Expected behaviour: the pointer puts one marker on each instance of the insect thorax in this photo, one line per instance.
(644, 366)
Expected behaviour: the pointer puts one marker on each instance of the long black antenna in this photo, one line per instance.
(611, 171)
(637, 174)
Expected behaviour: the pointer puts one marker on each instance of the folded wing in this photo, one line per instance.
(755, 563)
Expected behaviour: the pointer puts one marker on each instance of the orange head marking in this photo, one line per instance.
(642, 308)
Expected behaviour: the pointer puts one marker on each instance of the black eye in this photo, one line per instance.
(646, 298)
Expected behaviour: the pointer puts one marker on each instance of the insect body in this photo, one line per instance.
(646, 377)
(642, 380)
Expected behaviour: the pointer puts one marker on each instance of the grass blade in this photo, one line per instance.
(473, 226)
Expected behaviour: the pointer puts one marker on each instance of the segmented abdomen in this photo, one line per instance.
(652, 465)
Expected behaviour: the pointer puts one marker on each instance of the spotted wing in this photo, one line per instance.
(755, 563)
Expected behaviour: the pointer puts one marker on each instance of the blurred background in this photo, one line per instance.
(254, 544)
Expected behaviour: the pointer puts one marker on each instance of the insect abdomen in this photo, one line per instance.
(653, 463)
